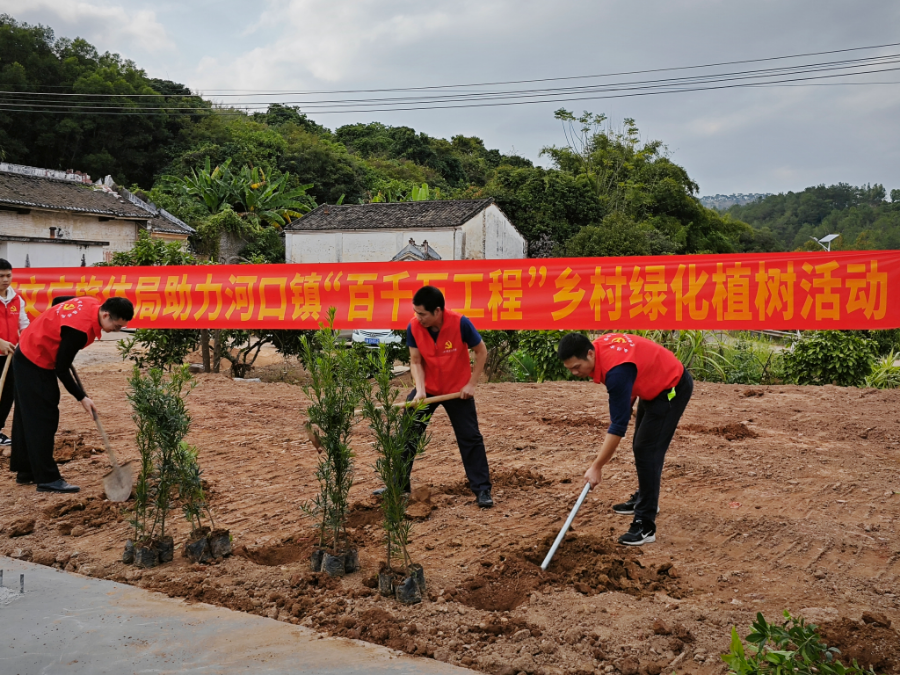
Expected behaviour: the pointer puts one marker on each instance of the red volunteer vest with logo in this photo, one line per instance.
(657, 368)
(9, 319)
(446, 361)
(40, 341)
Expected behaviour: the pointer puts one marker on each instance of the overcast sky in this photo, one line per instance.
(770, 139)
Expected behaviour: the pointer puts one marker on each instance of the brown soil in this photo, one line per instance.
(799, 514)
(71, 446)
(876, 647)
(736, 431)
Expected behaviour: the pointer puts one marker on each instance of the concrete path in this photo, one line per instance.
(66, 623)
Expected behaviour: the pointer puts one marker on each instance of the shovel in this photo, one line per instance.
(118, 482)
(9, 359)
(565, 528)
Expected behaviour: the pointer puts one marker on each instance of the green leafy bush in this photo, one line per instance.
(885, 375)
(830, 357)
(792, 647)
(540, 346)
(501, 345)
(159, 347)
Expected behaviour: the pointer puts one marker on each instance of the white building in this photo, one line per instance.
(57, 219)
(455, 230)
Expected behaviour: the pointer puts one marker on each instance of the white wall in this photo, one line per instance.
(120, 234)
(45, 254)
(487, 235)
(365, 245)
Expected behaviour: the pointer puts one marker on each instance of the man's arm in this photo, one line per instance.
(418, 372)
(619, 385)
(6, 347)
(595, 471)
(481, 354)
(71, 342)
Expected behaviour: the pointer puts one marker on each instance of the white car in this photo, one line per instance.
(375, 337)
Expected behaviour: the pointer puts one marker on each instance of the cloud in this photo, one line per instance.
(113, 25)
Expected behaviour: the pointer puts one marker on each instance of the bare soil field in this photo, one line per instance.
(773, 498)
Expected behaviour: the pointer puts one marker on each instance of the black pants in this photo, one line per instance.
(8, 395)
(654, 428)
(35, 421)
(464, 420)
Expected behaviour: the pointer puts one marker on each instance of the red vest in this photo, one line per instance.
(9, 319)
(657, 368)
(446, 361)
(40, 341)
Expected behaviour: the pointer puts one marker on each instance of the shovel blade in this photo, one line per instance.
(117, 483)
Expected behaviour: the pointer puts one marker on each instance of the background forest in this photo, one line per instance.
(607, 191)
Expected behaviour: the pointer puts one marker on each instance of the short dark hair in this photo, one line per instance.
(430, 298)
(574, 344)
(5, 264)
(120, 309)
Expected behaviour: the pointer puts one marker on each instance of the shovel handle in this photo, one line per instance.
(5, 370)
(565, 528)
(426, 401)
(106, 443)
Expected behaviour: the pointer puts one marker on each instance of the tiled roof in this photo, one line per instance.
(31, 191)
(392, 215)
(61, 195)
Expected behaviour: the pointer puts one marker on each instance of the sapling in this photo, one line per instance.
(162, 421)
(395, 435)
(336, 385)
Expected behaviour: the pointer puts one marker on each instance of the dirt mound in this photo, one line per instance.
(362, 514)
(750, 393)
(86, 512)
(517, 478)
(69, 446)
(575, 420)
(735, 431)
(280, 554)
(871, 645)
(588, 564)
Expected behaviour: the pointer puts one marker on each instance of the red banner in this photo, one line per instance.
(846, 290)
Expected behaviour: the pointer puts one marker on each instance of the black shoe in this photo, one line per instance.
(627, 508)
(484, 499)
(24, 478)
(380, 491)
(639, 534)
(4, 439)
(57, 486)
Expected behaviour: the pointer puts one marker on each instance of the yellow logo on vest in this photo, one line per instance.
(619, 339)
(69, 306)
(14, 309)
(448, 345)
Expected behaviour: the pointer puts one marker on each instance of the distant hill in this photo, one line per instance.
(723, 202)
(862, 215)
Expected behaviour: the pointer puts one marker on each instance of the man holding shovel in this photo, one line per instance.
(633, 367)
(439, 341)
(46, 352)
(13, 320)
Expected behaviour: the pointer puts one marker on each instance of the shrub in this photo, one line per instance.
(830, 357)
(501, 345)
(159, 348)
(162, 421)
(792, 647)
(885, 375)
(394, 429)
(336, 386)
(540, 346)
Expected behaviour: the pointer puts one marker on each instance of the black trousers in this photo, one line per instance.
(654, 428)
(35, 421)
(464, 420)
(8, 395)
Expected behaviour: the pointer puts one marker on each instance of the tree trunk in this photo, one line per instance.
(204, 349)
(217, 351)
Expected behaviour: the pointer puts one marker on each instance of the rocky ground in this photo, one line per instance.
(774, 498)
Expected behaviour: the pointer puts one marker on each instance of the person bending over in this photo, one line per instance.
(46, 351)
(633, 367)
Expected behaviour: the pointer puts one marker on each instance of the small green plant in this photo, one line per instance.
(190, 487)
(394, 431)
(162, 421)
(501, 345)
(792, 647)
(159, 348)
(336, 386)
(885, 375)
(830, 357)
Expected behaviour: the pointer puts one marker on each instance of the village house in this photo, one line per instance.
(451, 230)
(60, 219)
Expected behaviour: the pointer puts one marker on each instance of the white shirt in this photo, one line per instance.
(23, 316)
